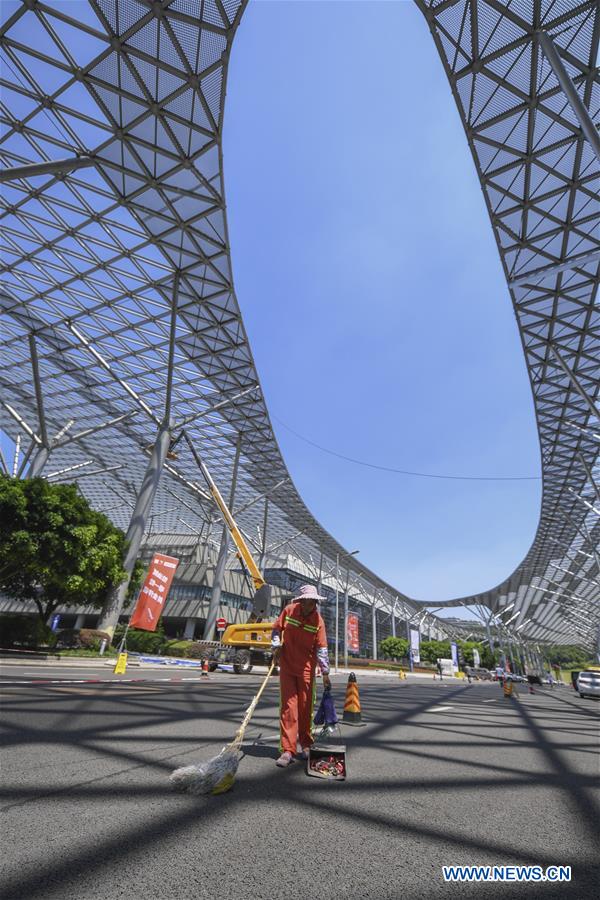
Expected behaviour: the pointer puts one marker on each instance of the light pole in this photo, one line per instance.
(337, 605)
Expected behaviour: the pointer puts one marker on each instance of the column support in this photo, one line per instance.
(38, 462)
(263, 554)
(374, 625)
(37, 383)
(41, 457)
(113, 606)
(217, 587)
(319, 585)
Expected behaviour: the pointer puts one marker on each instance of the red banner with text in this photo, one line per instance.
(153, 594)
(353, 644)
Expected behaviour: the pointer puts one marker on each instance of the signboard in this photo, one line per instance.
(55, 622)
(154, 592)
(221, 624)
(415, 645)
(352, 633)
(454, 654)
(476, 658)
(446, 667)
(121, 666)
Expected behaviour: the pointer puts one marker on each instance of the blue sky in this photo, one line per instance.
(373, 295)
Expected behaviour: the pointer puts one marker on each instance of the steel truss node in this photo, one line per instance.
(119, 315)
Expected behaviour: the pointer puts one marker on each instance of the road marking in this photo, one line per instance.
(440, 708)
(490, 701)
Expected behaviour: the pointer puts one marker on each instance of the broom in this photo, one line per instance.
(218, 774)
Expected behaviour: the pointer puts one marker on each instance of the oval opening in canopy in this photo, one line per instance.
(372, 292)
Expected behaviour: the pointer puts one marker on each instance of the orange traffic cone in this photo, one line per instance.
(507, 688)
(352, 713)
(205, 669)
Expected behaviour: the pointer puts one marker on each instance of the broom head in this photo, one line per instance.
(213, 777)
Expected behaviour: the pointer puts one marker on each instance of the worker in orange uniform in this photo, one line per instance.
(299, 642)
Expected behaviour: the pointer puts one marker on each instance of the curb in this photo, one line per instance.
(73, 662)
(40, 681)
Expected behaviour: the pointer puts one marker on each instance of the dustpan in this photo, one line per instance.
(327, 756)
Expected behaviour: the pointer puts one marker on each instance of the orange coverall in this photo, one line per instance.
(302, 637)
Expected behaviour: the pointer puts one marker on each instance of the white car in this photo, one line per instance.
(588, 684)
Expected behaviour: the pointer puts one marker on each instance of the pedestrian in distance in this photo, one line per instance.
(467, 672)
(440, 670)
(299, 642)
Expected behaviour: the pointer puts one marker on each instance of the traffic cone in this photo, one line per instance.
(352, 713)
(507, 688)
(205, 669)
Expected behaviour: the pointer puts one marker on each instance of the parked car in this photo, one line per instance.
(512, 676)
(479, 673)
(588, 684)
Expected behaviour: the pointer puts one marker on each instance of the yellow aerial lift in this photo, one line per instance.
(249, 644)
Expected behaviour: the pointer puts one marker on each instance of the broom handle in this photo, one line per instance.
(239, 736)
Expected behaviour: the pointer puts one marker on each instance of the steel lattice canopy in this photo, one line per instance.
(90, 258)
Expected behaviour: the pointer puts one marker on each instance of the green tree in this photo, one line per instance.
(488, 658)
(467, 648)
(434, 650)
(566, 655)
(393, 647)
(55, 549)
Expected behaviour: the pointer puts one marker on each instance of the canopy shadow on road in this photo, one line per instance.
(144, 757)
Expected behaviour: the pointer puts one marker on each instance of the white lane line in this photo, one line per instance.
(440, 708)
(33, 674)
(490, 701)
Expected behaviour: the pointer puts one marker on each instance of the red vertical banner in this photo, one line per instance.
(353, 644)
(153, 594)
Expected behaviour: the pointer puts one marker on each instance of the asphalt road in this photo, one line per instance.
(441, 774)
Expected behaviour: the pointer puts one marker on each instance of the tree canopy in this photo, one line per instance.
(431, 651)
(567, 655)
(393, 647)
(55, 549)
